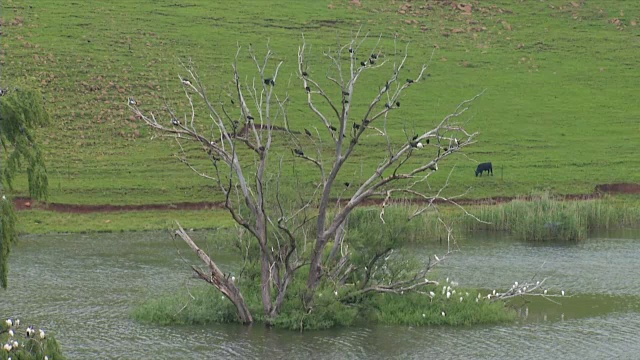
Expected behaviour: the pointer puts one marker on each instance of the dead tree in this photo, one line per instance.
(242, 170)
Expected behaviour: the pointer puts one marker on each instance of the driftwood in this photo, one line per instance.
(217, 278)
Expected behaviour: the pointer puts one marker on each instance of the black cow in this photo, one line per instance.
(484, 167)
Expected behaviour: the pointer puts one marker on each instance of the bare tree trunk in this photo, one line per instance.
(218, 279)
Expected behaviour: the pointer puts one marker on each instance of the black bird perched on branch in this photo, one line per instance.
(371, 61)
(333, 128)
(409, 81)
(269, 81)
(186, 82)
(249, 118)
(308, 89)
(175, 122)
(350, 51)
(427, 141)
(363, 63)
(304, 73)
(374, 56)
(298, 152)
(345, 93)
(366, 122)
(132, 101)
(307, 132)
(415, 137)
(398, 103)
(347, 184)
(387, 106)
(356, 126)
(261, 148)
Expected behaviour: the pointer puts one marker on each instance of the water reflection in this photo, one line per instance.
(83, 287)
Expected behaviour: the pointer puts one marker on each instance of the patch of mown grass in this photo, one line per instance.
(42, 222)
(556, 115)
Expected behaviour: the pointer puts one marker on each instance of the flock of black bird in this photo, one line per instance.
(269, 81)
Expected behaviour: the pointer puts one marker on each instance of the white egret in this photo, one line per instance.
(461, 298)
(335, 293)
(448, 294)
(10, 332)
(9, 322)
(562, 292)
(7, 347)
(443, 314)
(41, 334)
(516, 283)
(17, 322)
(419, 145)
(424, 315)
(545, 291)
(432, 294)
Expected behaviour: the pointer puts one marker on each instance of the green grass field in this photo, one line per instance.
(560, 111)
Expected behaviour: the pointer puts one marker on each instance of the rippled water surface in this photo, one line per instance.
(83, 288)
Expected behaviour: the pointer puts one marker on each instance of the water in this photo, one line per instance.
(83, 288)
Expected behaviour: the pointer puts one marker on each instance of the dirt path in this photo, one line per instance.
(28, 204)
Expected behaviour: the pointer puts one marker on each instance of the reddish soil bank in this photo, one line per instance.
(27, 204)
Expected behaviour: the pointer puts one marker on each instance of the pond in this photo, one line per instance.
(83, 288)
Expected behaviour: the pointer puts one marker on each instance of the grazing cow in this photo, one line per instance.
(484, 167)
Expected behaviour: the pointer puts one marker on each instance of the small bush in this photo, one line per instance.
(202, 305)
(418, 309)
(26, 342)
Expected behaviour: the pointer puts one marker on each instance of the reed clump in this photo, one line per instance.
(544, 217)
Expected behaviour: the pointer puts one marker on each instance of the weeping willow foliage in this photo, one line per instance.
(21, 112)
(7, 237)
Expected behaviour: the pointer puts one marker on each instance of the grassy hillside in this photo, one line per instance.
(560, 111)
